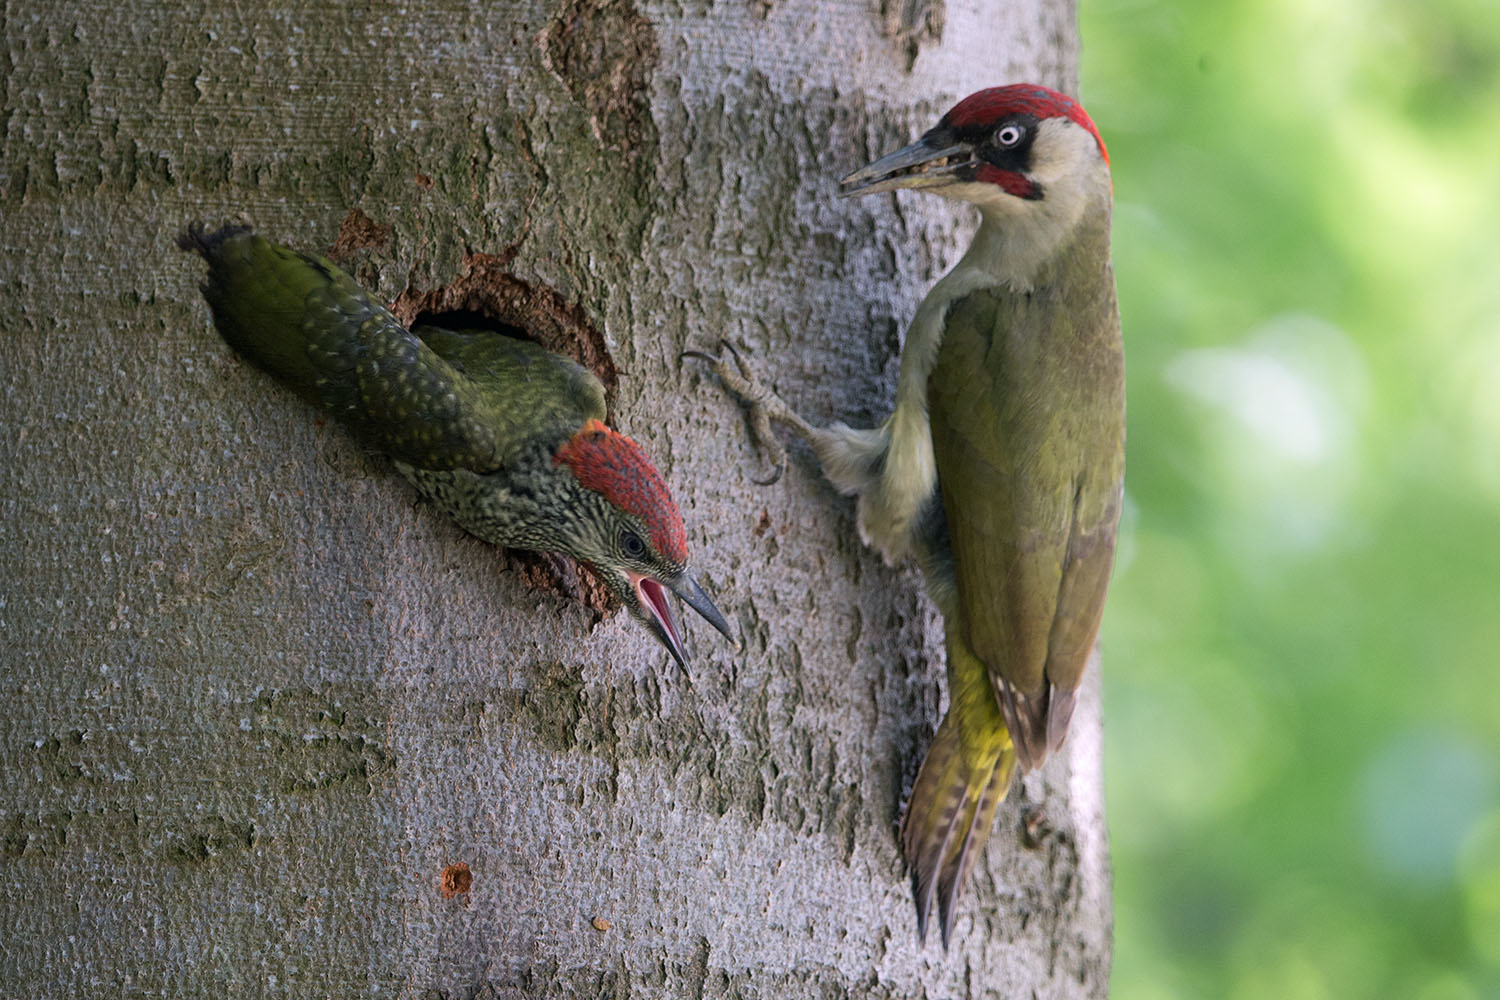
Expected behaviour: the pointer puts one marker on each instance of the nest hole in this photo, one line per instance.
(468, 319)
(487, 296)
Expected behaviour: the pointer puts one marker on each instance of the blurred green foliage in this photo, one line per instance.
(1302, 648)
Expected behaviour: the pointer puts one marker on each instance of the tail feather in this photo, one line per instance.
(1026, 719)
(196, 239)
(948, 819)
(1039, 725)
(990, 797)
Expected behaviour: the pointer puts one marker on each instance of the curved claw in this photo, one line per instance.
(763, 404)
(774, 477)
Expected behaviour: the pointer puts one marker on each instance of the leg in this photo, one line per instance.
(764, 405)
(854, 460)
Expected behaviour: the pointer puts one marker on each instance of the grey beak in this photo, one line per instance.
(920, 165)
(693, 596)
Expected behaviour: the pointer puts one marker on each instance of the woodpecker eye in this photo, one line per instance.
(631, 545)
(1010, 135)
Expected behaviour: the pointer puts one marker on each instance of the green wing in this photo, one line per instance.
(434, 399)
(527, 391)
(1028, 431)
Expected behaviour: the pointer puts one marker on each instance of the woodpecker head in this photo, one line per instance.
(630, 531)
(1022, 153)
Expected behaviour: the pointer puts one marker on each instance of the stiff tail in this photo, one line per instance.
(1037, 725)
(963, 779)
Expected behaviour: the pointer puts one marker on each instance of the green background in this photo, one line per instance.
(1301, 648)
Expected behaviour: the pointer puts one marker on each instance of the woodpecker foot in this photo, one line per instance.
(1036, 827)
(764, 405)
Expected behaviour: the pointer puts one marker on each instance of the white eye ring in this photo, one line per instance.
(1009, 135)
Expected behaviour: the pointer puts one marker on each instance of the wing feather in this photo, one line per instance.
(1028, 441)
(433, 399)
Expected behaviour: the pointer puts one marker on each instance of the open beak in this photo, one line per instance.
(920, 165)
(653, 597)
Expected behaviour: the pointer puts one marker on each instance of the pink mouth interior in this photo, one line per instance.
(655, 597)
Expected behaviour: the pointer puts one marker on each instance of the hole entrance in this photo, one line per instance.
(491, 298)
(469, 319)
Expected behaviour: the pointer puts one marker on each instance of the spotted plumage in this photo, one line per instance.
(504, 436)
(612, 465)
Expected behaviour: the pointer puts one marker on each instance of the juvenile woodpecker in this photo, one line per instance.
(505, 437)
(1001, 468)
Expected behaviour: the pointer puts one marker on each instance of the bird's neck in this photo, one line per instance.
(1014, 252)
(532, 503)
(1020, 242)
(999, 256)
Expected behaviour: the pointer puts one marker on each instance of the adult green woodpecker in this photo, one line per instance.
(505, 437)
(1001, 468)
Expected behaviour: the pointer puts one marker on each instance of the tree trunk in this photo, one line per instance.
(273, 725)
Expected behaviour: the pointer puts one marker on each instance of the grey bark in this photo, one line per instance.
(258, 699)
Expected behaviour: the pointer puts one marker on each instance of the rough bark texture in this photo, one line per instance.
(261, 705)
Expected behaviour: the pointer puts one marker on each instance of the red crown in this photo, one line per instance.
(984, 106)
(615, 467)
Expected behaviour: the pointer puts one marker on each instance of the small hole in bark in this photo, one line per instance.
(358, 232)
(457, 880)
